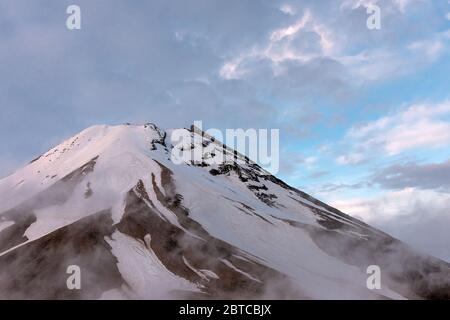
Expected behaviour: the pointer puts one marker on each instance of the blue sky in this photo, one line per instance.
(364, 115)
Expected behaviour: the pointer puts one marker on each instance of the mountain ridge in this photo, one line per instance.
(192, 230)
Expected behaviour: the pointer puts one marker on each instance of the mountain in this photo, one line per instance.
(110, 201)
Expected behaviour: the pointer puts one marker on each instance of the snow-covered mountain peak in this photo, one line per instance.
(111, 200)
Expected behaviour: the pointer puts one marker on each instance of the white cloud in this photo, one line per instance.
(281, 33)
(354, 4)
(392, 205)
(311, 37)
(7, 165)
(402, 4)
(384, 63)
(352, 159)
(230, 70)
(431, 47)
(288, 9)
(417, 126)
(420, 133)
(418, 217)
(309, 162)
(283, 44)
(394, 6)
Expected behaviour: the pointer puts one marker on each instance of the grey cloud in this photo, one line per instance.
(158, 61)
(331, 187)
(7, 165)
(417, 217)
(125, 64)
(318, 174)
(426, 176)
(423, 224)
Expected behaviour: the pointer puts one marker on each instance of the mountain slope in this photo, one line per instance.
(111, 201)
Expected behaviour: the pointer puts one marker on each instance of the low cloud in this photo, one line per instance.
(417, 217)
(7, 165)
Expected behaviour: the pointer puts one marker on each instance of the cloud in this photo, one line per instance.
(332, 187)
(318, 174)
(351, 159)
(399, 6)
(113, 71)
(289, 31)
(219, 62)
(290, 51)
(427, 176)
(295, 164)
(288, 9)
(302, 41)
(431, 47)
(387, 62)
(7, 165)
(309, 161)
(417, 217)
(419, 126)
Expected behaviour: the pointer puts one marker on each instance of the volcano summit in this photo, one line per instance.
(110, 201)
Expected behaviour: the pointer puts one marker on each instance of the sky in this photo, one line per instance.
(363, 114)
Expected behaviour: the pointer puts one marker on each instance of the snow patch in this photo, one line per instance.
(5, 224)
(143, 271)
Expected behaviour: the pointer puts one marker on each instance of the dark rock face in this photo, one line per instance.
(37, 270)
(174, 247)
(23, 215)
(408, 272)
